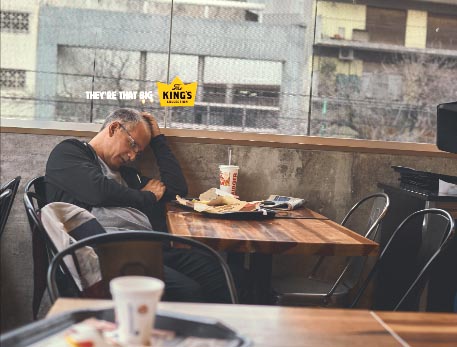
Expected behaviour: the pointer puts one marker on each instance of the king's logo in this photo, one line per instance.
(177, 93)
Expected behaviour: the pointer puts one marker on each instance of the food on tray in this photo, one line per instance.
(218, 202)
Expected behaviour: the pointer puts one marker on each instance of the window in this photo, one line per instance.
(15, 22)
(214, 93)
(256, 95)
(361, 69)
(442, 31)
(381, 86)
(386, 25)
(347, 85)
(10, 78)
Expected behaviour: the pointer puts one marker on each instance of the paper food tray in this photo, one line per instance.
(183, 326)
(240, 215)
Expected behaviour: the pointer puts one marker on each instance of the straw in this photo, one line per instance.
(230, 156)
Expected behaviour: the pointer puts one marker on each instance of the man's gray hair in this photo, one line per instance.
(128, 116)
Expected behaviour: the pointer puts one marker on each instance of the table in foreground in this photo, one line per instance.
(269, 326)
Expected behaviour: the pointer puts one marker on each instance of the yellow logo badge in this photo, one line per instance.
(177, 93)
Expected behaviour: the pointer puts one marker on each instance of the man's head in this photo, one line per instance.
(123, 135)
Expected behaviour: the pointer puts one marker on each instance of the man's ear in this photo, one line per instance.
(112, 128)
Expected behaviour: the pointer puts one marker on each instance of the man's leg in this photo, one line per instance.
(179, 287)
(201, 268)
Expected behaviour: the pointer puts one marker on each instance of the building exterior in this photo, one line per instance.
(18, 37)
(383, 64)
(249, 68)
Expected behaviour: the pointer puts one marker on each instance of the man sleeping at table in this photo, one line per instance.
(96, 176)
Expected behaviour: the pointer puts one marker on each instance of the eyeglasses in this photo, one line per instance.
(133, 145)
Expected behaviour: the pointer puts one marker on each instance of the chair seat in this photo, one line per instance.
(302, 291)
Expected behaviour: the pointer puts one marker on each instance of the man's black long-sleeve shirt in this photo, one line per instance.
(74, 175)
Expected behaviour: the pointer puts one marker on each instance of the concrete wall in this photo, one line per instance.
(330, 181)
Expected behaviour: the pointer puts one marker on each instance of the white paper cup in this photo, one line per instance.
(228, 177)
(135, 302)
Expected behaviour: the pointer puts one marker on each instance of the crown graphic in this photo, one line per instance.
(177, 93)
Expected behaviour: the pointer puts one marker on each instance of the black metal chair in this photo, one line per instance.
(413, 270)
(314, 291)
(43, 250)
(117, 241)
(7, 194)
(34, 201)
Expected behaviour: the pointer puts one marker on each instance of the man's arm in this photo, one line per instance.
(170, 171)
(72, 168)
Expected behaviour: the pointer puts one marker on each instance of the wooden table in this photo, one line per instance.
(270, 326)
(312, 234)
(297, 232)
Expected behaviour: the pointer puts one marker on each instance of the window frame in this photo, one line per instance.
(302, 142)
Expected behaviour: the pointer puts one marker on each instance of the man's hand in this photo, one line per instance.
(155, 186)
(153, 122)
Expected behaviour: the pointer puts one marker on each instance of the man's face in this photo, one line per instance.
(124, 143)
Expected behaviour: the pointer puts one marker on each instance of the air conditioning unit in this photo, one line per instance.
(346, 54)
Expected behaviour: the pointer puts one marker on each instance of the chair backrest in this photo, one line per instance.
(65, 224)
(378, 203)
(375, 206)
(425, 249)
(128, 258)
(113, 240)
(36, 192)
(7, 194)
(34, 200)
(42, 248)
(4, 194)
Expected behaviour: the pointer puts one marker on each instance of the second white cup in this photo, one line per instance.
(135, 301)
(228, 177)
